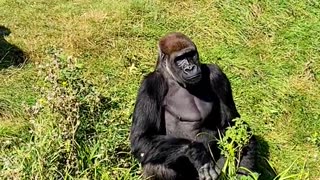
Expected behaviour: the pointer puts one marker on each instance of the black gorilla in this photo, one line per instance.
(180, 108)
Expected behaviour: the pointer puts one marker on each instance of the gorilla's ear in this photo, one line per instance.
(161, 55)
(161, 61)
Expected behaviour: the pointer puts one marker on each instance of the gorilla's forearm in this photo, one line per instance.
(162, 149)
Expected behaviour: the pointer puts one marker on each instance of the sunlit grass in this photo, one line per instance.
(269, 50)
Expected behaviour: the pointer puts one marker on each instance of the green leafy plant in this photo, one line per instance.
(231, 144)
(77, 106)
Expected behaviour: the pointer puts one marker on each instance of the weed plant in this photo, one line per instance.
(232, 143)
(76, 107)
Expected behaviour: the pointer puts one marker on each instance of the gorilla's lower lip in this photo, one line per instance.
(194, 77)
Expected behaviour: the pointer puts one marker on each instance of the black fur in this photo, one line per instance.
(170, 137)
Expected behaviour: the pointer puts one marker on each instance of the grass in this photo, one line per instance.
(268, 49)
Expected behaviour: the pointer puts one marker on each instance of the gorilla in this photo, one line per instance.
(181, 108)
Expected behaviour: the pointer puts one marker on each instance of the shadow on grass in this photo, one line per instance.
(10, 55)
(263, 167)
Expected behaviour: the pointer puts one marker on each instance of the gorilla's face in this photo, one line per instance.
(185, 66)
(179, 57)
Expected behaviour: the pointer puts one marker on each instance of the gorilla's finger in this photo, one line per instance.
(201, 174)
(213, 173)
(217, 169)
(206, 172)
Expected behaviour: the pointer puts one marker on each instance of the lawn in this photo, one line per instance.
(270, 50)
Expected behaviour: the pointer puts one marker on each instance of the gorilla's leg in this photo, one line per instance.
(249, 156)
(247, 161)
(181, 170)
(158, 172)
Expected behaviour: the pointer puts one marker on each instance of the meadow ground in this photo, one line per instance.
(270, 50)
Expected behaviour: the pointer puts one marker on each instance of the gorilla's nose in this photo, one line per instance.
(190, 69)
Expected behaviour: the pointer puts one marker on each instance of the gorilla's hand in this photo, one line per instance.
(207, 172)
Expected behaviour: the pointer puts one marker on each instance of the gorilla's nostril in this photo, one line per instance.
(189, 68)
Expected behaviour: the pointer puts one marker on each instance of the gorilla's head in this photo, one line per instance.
(179, 57)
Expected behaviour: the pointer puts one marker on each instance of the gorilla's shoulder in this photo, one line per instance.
(154, 83)
(213, 68)
(154, 76)
(213, 71)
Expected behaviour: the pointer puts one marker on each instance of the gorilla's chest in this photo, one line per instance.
(185, 112)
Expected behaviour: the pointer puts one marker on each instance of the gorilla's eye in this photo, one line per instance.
(182, 62)
(185, 59)
(191, 53)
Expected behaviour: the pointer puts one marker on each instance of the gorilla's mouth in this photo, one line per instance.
(194, 79)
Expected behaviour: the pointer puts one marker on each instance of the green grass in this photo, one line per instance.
(268, 49)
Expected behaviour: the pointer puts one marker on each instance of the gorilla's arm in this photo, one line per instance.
(148, 140)
(221, 86)
(224, 110)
